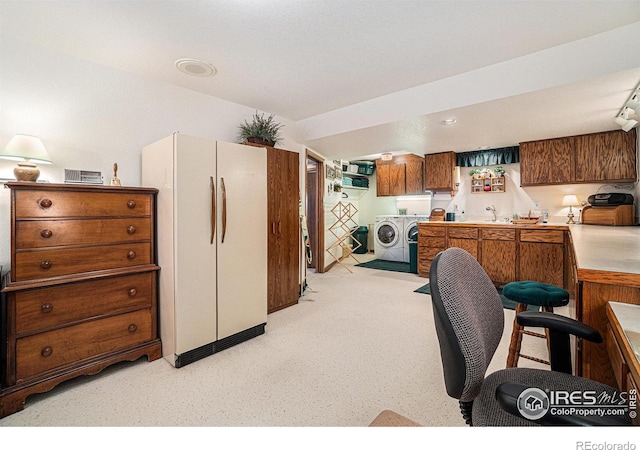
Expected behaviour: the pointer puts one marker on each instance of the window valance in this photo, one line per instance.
(492, 157)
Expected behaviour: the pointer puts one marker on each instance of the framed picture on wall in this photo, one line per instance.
(331, 172)
(338, 173)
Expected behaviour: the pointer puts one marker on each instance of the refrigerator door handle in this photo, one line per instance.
(224, 210)
(213, 208)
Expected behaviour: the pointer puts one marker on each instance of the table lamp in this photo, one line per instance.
(570, 201)
(27, 150)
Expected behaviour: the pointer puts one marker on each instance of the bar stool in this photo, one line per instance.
(525, 293)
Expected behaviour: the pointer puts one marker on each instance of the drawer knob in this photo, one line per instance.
(45, 203)
(45, 264)
(133, 292)
(46, 234)
(131, 229)
(133, 328)
(131, 254)
(47, 308)
(131, 204)
(47, 351)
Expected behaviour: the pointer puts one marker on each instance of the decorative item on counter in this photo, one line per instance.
(261, 130)
(115, 181)
(26, 150)
(402, 211)
(570, 201)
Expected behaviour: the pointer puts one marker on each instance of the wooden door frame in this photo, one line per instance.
(319, 251)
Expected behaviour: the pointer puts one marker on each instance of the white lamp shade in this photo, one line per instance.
(570, 200)
(26, 148)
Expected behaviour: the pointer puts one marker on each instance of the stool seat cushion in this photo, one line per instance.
(536, 293)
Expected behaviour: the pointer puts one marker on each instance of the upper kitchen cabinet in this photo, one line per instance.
(606, 157)
(401, 176)
(438, 171)
(590, 158)
(550, 161)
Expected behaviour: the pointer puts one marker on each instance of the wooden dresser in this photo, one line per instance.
(81, 292)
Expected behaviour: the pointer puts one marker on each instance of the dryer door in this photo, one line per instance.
(411, 232)
(387, 234)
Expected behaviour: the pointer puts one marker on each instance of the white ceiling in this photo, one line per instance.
(345, 68)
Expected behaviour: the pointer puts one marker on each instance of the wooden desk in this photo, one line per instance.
(623, 346)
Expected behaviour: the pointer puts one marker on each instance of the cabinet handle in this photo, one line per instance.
(45, 264)
(47, 308)
(273, 228)
(46, 351)
(131, 229)
(133, 292)
(224, 211)
(279, 227)
(131, 204)
(133, 328)
(131, 254)
(45, 203)
(213, 208)
(46, 234)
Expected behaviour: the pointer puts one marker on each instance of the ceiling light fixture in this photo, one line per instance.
(195, 67)
(450, 121)
(630, 108)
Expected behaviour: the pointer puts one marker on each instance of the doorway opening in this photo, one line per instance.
(315, 210)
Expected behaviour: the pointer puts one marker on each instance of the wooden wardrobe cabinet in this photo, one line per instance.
(81, 293)
(438, 171)
(283, 179)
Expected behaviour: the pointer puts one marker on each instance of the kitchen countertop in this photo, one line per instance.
(597, 247)
(628, 316)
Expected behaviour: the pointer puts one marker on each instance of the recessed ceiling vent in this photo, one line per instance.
(195, 67)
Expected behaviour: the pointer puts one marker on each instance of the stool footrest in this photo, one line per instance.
(533, 358)
(533, 333)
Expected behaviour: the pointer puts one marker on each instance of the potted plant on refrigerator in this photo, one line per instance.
(261, 130)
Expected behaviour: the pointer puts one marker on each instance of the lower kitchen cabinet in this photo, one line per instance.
(431, 241)
(541, 256)
(464, 238)
(498, 248)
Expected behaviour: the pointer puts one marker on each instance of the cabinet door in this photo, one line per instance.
(397, 179)
(383, 180)
(414, 173)
(499, 260)
(438, 171)
(607, 156)
(543, 262)
(283, 229)
(547, 162)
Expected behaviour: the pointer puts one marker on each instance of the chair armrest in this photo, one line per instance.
(559, 323)
(507, 397)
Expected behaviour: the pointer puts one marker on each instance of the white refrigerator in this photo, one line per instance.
(211, 243)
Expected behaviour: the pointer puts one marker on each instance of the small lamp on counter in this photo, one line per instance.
(27, 150)
(570, 201)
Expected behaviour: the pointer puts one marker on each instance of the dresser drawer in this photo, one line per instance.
(437, 242)
(45, 308)
(52, 233)
(46, 351)
(43, 203)
(31, 265)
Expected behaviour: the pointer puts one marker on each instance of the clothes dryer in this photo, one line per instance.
(411, 230)
(388, 239)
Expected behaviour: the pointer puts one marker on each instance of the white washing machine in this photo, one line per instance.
(388, 239)
(411, 228)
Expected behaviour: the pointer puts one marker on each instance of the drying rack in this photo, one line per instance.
(343, 229)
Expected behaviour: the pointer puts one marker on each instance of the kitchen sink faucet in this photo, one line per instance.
(493, 211)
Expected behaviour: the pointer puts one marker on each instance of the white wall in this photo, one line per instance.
(90, 116)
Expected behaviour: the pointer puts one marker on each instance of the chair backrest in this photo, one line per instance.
(469, 320)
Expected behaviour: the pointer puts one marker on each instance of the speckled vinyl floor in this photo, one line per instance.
(356, 344)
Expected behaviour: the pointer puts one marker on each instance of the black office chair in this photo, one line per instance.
(469, 322)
